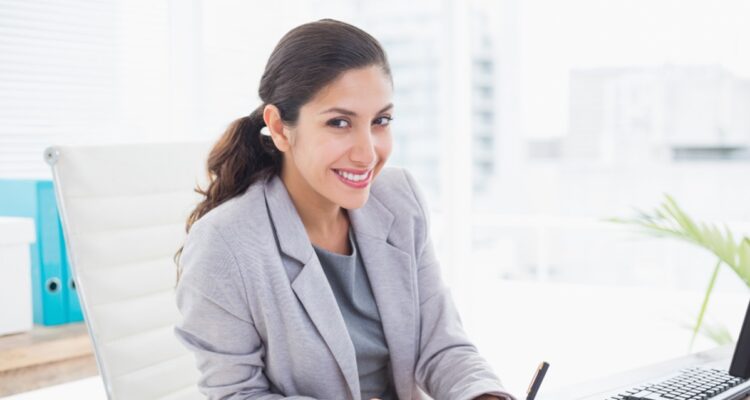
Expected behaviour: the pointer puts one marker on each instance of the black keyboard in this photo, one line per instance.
(689, 384)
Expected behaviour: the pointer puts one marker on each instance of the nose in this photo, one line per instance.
(363, 149)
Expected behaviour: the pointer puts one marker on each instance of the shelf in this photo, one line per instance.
(45, 356)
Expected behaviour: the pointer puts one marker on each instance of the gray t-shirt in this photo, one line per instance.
(351, 287)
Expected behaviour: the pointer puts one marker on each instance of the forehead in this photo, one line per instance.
(364, 90)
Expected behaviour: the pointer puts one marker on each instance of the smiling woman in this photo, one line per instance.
(335, 150)
(308, 270)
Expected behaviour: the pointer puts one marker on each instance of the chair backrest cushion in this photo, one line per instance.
(124, 209)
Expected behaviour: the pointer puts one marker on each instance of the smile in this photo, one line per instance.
(354, 180)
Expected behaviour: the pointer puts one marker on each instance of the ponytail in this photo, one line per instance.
(239, 158)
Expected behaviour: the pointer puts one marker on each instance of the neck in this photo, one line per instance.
(321, 218)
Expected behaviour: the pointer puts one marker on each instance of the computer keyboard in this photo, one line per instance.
(689, 384)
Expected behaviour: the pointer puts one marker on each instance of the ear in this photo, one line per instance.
(279, 133)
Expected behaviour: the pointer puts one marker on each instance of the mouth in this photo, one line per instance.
(357, 179)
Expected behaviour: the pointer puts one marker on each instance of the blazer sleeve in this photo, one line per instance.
(216, 324)
(448, 365)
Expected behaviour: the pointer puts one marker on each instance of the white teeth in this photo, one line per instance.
(352, 177)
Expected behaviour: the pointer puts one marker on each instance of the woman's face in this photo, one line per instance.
(342, 139)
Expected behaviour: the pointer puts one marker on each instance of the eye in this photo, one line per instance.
(338, 123)
(384, 120)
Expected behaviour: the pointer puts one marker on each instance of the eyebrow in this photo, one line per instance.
(352, 113)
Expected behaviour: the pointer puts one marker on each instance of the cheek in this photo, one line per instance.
(308, 148)
(384, 145)
(320, 156)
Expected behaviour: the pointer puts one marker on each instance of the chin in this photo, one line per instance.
(354, 203)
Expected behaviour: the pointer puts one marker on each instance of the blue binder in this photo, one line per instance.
(74, 305)
(54, 303)
(57, 252)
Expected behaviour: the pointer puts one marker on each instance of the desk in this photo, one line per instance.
(719, 357)
(579, 330)
(92, 388)
(45, 356)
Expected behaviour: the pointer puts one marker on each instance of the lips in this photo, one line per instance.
(349, 177)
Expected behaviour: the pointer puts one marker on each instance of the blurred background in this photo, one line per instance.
(528, 123)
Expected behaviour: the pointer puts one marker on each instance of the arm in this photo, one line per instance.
(216, 323)
(448, 366)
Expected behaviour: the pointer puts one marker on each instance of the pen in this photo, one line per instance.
(537, 380)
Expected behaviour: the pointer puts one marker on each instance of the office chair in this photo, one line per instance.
(123, 210)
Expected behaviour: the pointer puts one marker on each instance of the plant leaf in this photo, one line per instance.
(706, 297)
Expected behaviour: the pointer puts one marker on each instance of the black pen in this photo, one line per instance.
(537, 380)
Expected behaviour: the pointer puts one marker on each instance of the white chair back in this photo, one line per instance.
(123, 210)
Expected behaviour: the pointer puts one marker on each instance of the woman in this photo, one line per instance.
(308, 270)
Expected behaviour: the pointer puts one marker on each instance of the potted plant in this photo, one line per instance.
(669, 220)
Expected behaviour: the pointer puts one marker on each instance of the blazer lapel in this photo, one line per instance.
(311, 285)
(313, 290)
(393, 279)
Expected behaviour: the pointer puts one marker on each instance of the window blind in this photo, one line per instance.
(78, 71)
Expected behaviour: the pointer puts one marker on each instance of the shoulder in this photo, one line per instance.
(398, 191)
(246, 208)
(235, 224)
(210, 253)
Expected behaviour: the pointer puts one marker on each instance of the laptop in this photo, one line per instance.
(702, 382)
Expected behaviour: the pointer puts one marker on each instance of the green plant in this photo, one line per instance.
(669, 220)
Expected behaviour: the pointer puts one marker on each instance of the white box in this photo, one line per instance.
(16, 309)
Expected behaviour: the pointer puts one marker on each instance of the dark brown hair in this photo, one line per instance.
(305, 60)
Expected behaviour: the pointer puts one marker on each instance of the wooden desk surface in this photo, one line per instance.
(45, 356)
(719, 357)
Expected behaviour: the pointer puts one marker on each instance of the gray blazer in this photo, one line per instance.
(262, 320)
